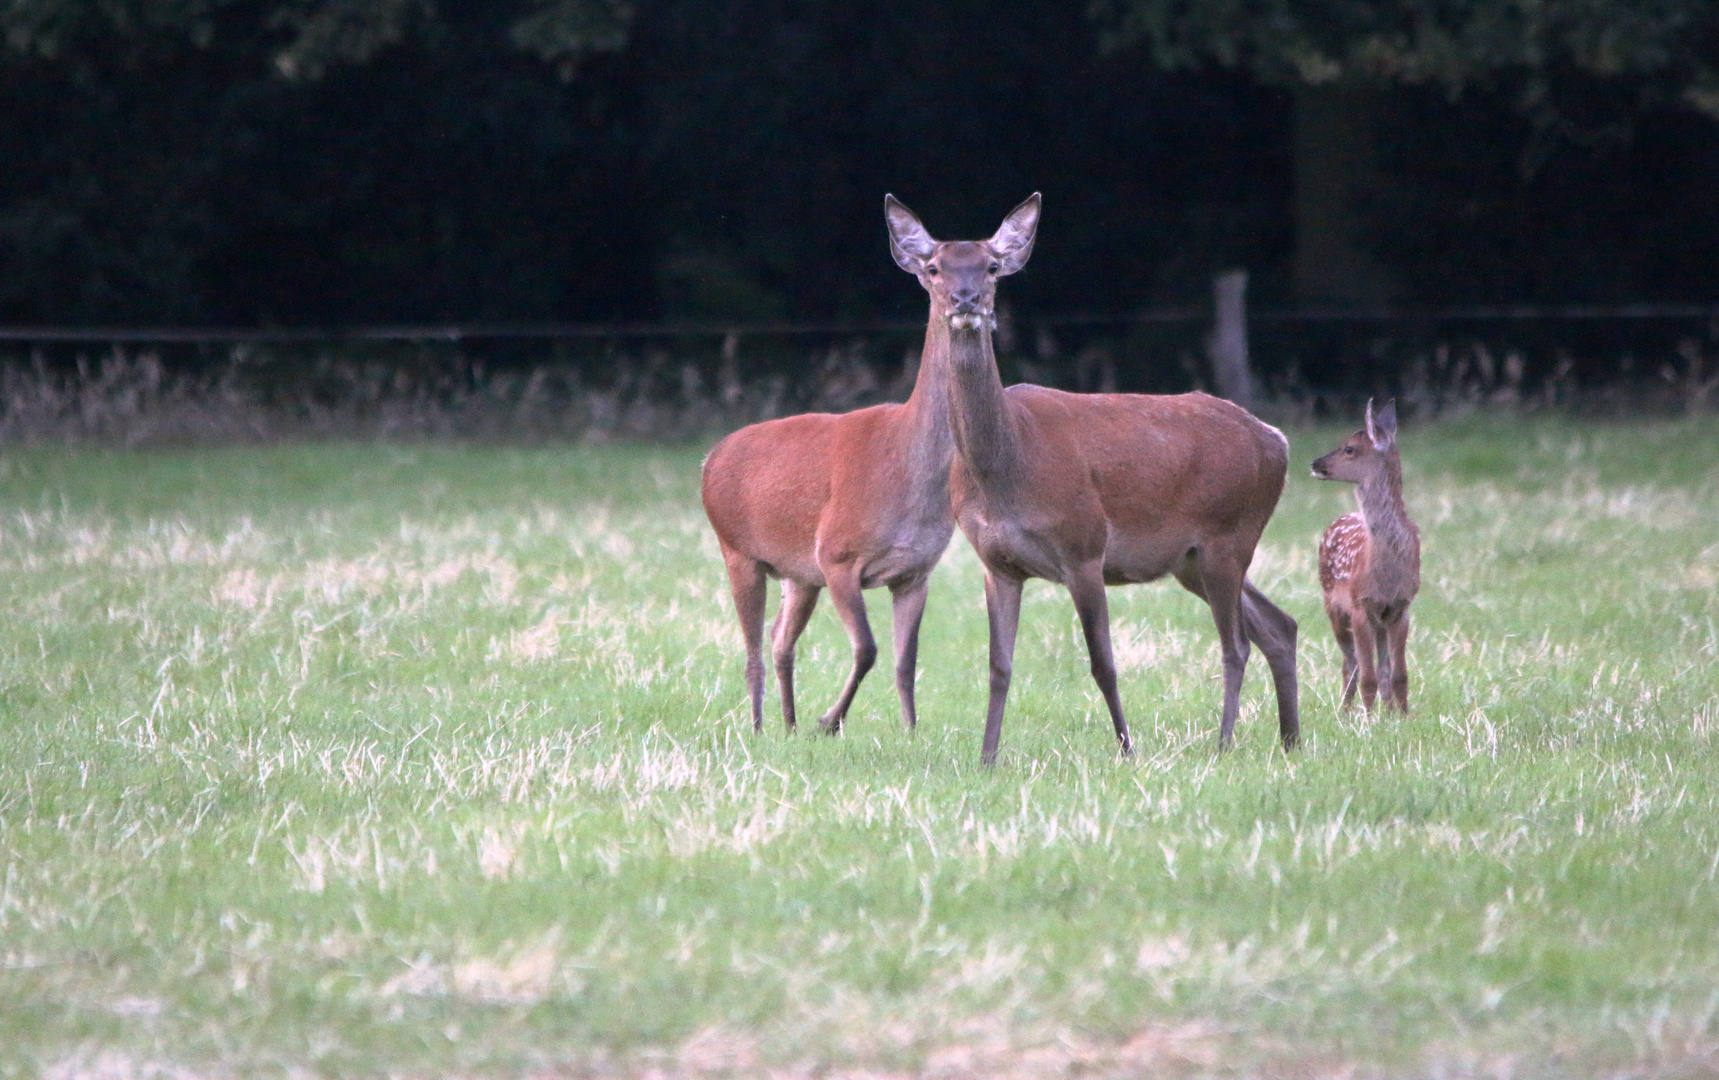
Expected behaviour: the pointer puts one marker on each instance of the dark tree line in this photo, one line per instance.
(338, 161)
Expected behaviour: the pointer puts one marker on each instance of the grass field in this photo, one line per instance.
(428, 761)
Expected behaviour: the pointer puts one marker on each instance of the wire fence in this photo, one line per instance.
(1378, 314)
(688, 380)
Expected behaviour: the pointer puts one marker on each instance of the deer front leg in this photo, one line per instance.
(1398, 636)
(1003, 612)
(1366, 655)
(1086, 587)
(843, 580)
(909, 608)
(798, 600)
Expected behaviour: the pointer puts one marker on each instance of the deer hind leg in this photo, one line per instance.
(798, 600)
(1398, 637)
(1003, 612)
(1086, 586)
(1219, 584)
(1341, 630)
(1274, 631)
(746, 579)
(909, 608)
(844, 584)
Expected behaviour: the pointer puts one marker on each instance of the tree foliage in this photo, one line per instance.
(1455, 45)
(331, 161)
(729, 163)
(301, 38)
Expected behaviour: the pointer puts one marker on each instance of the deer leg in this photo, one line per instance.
(1366, 655)
(1274, 631)
(1340, 629)
(844, 584)
(1382, 640)
(909, 608)
(746, 579)
(1399, 644)
(798, 600)
(1222, 588)
(1003, 612)
(1086, 587)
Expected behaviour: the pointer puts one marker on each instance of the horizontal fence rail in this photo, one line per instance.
(1379, 313)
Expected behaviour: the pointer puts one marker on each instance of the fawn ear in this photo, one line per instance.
(1382, 429)
(1013, 243)
(909, 243)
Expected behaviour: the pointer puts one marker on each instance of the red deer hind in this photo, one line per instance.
(848, 502)
(1370, 563)
(1090, 490)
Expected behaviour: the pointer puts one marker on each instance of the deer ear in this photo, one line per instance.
(1013, 243)
(1382, 429)
(909, 243)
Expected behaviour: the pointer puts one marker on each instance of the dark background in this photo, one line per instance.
(728, 162)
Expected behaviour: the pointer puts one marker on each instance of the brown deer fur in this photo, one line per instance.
(1370, 563)
(1092, 490)
(848, 502)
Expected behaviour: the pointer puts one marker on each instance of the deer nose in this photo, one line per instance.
(965, 300)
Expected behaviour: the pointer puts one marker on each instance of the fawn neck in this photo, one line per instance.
(985, 435)
(1380, 495)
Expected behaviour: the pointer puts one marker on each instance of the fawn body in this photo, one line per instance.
(1370, 563)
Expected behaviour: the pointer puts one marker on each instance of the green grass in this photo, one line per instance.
(430, 761)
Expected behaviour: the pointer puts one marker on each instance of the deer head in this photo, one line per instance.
(961, 275)
(1364, 453)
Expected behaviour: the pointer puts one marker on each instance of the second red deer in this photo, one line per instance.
(1090, 490)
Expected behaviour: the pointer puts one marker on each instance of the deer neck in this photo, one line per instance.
(985, 435)
(931, 445)
(1381, 500)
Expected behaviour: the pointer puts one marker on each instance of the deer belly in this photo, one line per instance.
(911, 554)
(1013, 550)
(1132, 560)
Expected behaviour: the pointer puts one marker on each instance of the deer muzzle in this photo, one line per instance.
(973, 320)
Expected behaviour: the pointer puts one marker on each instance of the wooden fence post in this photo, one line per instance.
(1227, 345)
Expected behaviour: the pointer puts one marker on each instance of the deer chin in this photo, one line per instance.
(973, 321)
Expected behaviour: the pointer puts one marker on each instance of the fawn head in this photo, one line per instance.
(961, 275)
(1364, 453)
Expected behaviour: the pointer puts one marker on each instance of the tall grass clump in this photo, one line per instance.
(432, 390)
(429, 760)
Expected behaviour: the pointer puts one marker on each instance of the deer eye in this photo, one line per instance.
(996, 267)
(931, 268)
(1348, 449)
